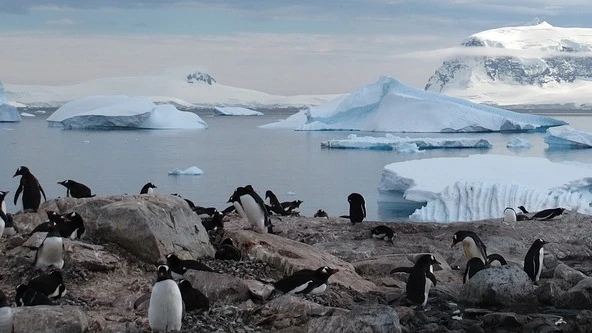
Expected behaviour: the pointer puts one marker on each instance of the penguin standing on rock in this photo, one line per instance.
(148, 188)
(533, 262)
(357, 208)
(510, 215)
(274, 204)
(75, 225)
(51, 252)
(31, 189)
(76, 189)
(473, 246)
(5, 314)
(250, 205)
(420, 280)
(306, 281)
(193, 298)
(165, 311)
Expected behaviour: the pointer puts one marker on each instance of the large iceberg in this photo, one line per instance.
(112, 112)
(388, 105)
(8, 113)
(391, 142)
(235, 111)
(481, 186)
(567, 137)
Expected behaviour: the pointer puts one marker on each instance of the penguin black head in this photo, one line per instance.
(268, 193)
(21, 171)
(426, 261)
(163, 273)
(3, 194)
(184, 284)
(539, 243)
(460, 235)
(228, 241)
(355, 198)
(66, 182)
(53, 216)
(57, 275)
(321, 213)
(240, 191)
(325, 272)
(523, 209)
(150, 185)
(3, 300)
(172, 260)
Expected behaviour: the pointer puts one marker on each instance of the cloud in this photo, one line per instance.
(63, 22)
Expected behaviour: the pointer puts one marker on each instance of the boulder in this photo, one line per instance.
(148, 226)
(568, 274)
(90, 256)
(222, 288)
(290, 256)
(371, 318)
(579, 296)
(258, 289)
(549, 291)
(287, 310)
(507, 286)
(50, 319)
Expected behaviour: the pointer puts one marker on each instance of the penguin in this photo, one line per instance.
(473, 246)
(31, 189)
(383, 232)
(274, 204)
(228, 210)
(291, 206)
(51, 251)
(178, 266)
(74, 226)
(3, 195)
(227, 251)
(51, 285)
(524, 211)
(306, 281)
(473, 266)
(9, 227)
(215, 223)
(533, 262)
(3, 220)
(76, 189)
(165, 310)
(357, 208)
(204, 211)
(5, 314)
(250, 205)
(193, 298)
(321, 213)
(495, 257)
(420, 280)
(26, 296)
(148, 188)
(189, 202)
(510, 215)
(548, 214)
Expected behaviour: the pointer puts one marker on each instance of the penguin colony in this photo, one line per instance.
(172, 295)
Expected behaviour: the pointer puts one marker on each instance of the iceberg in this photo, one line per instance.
(112, 112)
(235, 111)
(391, 142)
(8, 112)
(518, 142)
(481, 186)
(565, 137)
(191, 171)
(388, 105)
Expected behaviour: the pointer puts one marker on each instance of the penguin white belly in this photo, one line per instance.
(2, 225)
(319, 290)
(6, 319)
(165, 311)
(379, 236)
(239, 209)
(74, 234)
(150, 190)
(538, 272)
(299, 288)
(3, 207)
(471, 249)
(254, 212)
(509, 215)
(51, 253)
(426, 291)
(9, 231)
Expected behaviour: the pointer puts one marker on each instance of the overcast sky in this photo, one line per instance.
(276, 46)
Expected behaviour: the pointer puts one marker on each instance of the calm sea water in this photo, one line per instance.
(232, 152)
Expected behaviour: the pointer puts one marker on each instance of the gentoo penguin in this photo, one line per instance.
(74, 226)
(357, 208)
(228, 210)
(2, 202)
(496, 257)
(165, 311)
(533, 262)
(189, 202)
(53, 217)
(51, 251)
(227, 251)
(148, 188)
(306, 281)
(76, 189)
(321, 213)
(9, 227)
(52, 284)
(383, 232)
(250, 205)
(510, 215)
(291, 206)
(274, 204)
(204, 211)
(26, 296)
(420, 280)
(214, 223)
(5, 314)
(473, 266)
(193, 298)
(473, 246)
(548, 214)
(178, 266)
(524, 211)
(31, 189)
(3, 215)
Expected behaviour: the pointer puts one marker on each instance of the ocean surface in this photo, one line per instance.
(232, 152)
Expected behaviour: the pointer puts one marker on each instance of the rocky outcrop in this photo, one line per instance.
(222, 288)
(49, 319)
(376, 319)
(578, 297)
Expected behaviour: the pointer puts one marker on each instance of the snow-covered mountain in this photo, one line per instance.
(536, 65)
(197, 89)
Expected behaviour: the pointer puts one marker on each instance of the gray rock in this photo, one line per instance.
(222, 288)
(504, 319)
(371, 318)
(90, 256)
(288, 310)
(259, 290)
(568, 274)
(50, 319)
(508, 286)
(550, 291)
(579, 296)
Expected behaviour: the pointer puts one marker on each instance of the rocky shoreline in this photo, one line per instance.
(127, 236)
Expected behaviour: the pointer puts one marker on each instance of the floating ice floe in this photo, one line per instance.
(518, 142)
(481, 186)
(388, 105)
(235, 111)
(566, 137)
(113, 112)
(26, 114)
(391, 142)
(191, 171)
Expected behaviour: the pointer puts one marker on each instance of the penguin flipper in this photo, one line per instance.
(43, 192)
(402, 270)
(493, 257)
(17, 193)
(196, 265)
(43, 227)
(432, 277)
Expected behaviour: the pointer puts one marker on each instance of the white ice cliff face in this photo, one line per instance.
(8, 113)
